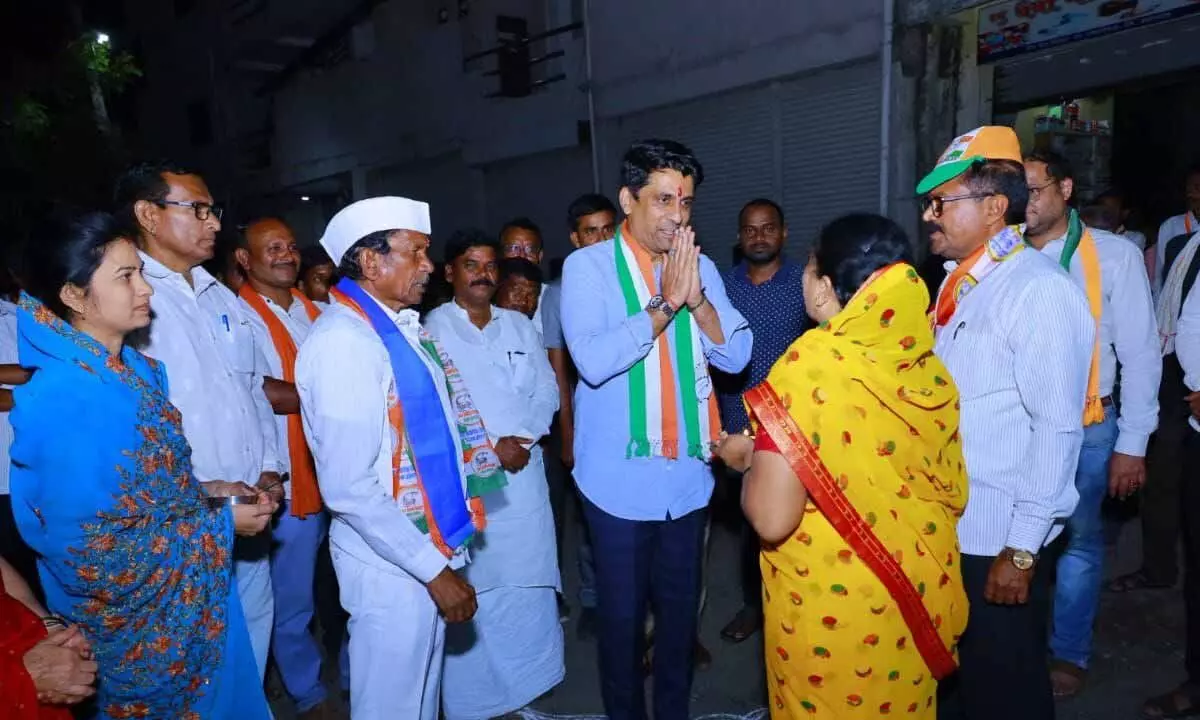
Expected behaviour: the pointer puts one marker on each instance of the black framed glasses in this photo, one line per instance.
(202, 209)
(937, 205)
(1035, 191)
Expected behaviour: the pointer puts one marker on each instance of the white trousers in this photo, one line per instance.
(258, 602)
(397, 640)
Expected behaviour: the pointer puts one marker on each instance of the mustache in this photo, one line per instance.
(286, 263)
(482, 282)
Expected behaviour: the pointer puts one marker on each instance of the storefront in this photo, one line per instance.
(1113, 84)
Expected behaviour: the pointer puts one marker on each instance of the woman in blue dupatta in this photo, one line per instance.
(102, 489)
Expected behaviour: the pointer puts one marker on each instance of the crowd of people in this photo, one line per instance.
(921, 474)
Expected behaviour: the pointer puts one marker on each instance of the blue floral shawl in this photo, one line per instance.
(102, 489)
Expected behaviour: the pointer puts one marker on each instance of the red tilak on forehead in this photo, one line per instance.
(679, 192)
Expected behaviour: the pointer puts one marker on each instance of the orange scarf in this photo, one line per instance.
(947, 300)
(306, 498)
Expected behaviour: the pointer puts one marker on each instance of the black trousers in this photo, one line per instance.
(1160, 501)
(14, 550)
(1003, 673)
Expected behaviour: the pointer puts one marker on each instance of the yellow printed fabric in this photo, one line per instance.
(879, 414)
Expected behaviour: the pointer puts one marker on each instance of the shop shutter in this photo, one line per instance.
(830, 125)
(733, 136)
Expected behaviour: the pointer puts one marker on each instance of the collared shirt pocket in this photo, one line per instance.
(978, 358)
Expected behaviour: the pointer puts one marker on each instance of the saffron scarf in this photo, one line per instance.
(306, 497)
(867, 417)
(426, 479)
(971, 271)
(654, 425)
(1079, 237)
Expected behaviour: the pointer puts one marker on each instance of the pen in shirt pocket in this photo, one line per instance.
(225, 322)
(962, 325)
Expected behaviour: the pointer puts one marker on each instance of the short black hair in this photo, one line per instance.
(588, 204)
(67, 249)
(762, 202)
(647, 157)
(521, 223)
(1001, 177)
(351, 265)
(313, 256)
(144, 181)
(520, 268)
(1113, 193)
(1058, 167)
(463, 240)
(1100, 216)
(852, 248)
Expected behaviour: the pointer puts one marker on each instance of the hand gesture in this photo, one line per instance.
(272, 484)
(513, 455)
(687, 238)
(252, 519)
(454, 597)
(60, 674)
(681, 270)
(1006, 584)
(1126, 475)
(735, 451)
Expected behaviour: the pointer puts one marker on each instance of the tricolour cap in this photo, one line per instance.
(992, 142)
(360, 219)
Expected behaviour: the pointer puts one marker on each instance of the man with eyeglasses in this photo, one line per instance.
(766, 288)
(1111, 272)
(203, 337)
(522, 238)
(591, 219)
(1016, 334)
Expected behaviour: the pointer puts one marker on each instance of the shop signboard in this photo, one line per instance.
(1021, 26)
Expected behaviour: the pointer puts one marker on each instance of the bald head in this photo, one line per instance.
(269, 256)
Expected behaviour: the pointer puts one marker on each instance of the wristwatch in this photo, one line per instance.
(1022, 560)
(659, 303)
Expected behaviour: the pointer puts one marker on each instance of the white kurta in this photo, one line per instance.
(512, 652)
(202, 336)
(343, 376)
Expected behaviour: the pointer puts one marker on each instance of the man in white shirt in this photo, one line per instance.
(12, 547)
(402, 458)
(522, 238)
(1183, 224)
(1186, 346)
(1016, 335)
(202, 335)
(1112, 461)
(512, 652)
(280, 318)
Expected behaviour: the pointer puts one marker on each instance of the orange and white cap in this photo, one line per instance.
(991, 142)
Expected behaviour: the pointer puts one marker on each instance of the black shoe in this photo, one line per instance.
(564, 610)
(586, 628)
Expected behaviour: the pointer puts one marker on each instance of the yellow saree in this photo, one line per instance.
(864, 602)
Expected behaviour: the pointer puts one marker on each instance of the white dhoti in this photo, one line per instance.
(396, 642)
(512, 651)
(252, 570)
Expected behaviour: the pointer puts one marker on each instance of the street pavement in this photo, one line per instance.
(1139, 648)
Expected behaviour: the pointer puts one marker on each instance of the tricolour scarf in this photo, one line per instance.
(306, 497)
(970, 272)
(653, 416)
(1079, 237)
(426, 480)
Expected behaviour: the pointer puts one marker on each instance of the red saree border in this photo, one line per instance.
(824, 490)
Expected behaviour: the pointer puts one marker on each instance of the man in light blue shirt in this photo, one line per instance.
(644, 315)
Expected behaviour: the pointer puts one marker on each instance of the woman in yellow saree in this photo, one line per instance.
(855, 484)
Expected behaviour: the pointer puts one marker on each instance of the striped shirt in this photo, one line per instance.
(1019, 346)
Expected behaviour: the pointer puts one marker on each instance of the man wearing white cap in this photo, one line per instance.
(402, 458)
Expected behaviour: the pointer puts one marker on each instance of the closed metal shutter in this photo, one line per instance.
(830, 148)
(810, 143)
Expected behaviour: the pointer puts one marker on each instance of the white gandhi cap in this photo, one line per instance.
(360, 219)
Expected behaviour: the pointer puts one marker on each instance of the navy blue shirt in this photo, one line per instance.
(775, 311)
